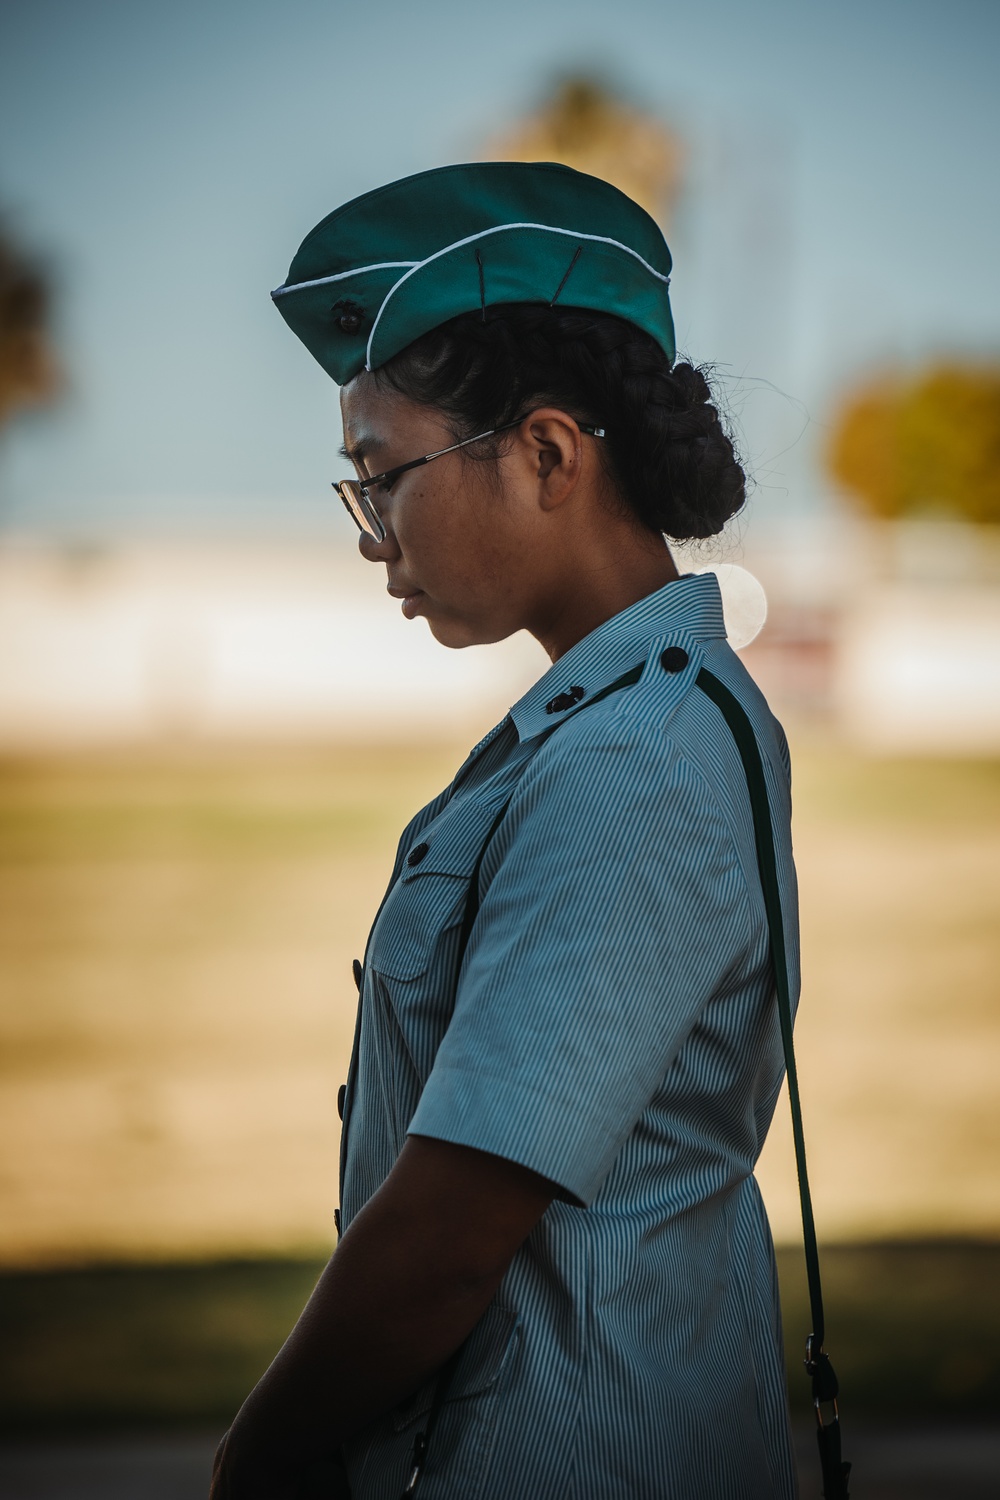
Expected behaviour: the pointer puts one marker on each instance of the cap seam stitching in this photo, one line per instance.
(601, 239)
(380, 265)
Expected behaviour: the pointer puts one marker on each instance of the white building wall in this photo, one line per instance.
(215, 642)
(918, 670)
(899, 644)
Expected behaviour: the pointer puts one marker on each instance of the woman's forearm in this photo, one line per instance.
(409, 1281)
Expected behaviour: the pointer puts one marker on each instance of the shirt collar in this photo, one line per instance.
(690, 606)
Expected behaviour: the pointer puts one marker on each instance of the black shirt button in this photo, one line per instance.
(416, 855)
(336, 1220)
(341, 1096)
(562, 701)
(358, 973)
(674, 659)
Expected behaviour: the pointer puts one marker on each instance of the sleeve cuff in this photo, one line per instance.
(561, 1139)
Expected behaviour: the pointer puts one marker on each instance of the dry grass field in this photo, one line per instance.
(176, 1003)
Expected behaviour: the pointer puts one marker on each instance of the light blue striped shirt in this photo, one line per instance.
(614, 1028)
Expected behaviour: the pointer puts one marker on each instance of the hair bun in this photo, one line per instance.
(666, 449)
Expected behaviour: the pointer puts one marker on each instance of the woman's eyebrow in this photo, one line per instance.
(357, 452)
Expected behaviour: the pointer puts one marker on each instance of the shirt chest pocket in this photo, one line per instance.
(415, 946)
(413, 921)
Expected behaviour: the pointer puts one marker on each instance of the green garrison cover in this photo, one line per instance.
(389, 266)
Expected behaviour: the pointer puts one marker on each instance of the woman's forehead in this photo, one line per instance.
(377, 420)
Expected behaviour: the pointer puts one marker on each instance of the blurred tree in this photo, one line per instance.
(583, 125)
(928, 444)
(29, 374)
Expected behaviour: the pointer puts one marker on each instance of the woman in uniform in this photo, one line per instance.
(555, 1277)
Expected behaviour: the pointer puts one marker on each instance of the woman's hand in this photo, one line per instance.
(242, 1476)
(411, 1278)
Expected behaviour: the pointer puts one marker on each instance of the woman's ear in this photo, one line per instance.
(554, 445)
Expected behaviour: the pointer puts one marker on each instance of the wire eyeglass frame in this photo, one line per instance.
(356, 493)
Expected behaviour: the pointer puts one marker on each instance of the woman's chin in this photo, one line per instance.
(452, 633)
(457, 634)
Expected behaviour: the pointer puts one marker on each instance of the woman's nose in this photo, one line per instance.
(378, 552)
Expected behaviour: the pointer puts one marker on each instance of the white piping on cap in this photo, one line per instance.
(382, 265)
(601, 239)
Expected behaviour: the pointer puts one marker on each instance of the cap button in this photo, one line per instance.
(348, 315)
(673, 659)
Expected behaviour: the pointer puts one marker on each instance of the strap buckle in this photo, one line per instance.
(834, 1413)
(825, 1385)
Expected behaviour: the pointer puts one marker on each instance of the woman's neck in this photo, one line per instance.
(601, 587)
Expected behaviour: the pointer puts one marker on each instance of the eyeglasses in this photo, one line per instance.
(357, 493)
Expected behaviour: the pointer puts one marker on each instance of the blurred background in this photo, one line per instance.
(213, 723)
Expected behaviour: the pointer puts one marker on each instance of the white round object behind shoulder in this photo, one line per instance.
(744, 602)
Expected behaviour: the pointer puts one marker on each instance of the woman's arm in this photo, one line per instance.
(410, 1279)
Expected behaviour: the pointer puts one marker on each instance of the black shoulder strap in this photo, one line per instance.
(824, 1382)
(818, 1366)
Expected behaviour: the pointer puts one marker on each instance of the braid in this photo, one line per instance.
(666, 451)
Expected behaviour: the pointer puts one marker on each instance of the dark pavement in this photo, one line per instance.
(925, 1462)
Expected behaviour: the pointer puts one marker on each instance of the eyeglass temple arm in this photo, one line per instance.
(583, 426)
(478, 437)
(415, 463)
(440, 453)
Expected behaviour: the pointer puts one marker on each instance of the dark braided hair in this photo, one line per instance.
(666, 452)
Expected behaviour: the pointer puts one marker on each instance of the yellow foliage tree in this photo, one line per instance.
(928, 444)
(583, 125)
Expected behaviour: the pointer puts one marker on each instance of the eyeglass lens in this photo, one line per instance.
(358, 505)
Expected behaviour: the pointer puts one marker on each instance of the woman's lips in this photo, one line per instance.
(410, 600)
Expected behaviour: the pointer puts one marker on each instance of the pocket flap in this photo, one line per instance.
(484, 1354)
(430, 894)
(452, 843)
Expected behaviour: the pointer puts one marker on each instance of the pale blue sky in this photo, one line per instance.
(167, 158)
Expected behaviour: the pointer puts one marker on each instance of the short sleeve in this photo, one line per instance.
(617, 907)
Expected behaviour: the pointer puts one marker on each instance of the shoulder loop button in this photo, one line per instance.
(673, 659)
(358, 973)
